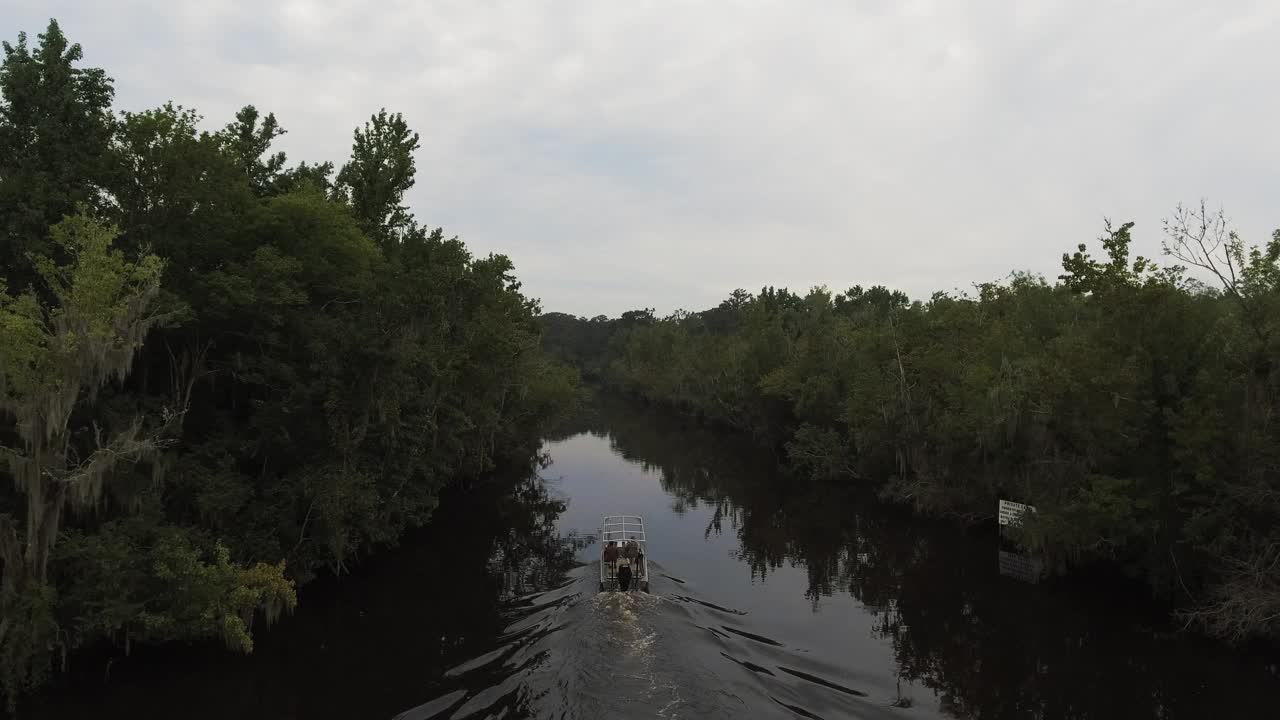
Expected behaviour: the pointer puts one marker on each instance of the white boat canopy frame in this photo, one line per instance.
(618, 528)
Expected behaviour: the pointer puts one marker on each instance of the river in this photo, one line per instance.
(771, 597)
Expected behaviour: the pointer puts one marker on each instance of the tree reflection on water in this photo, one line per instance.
(990, 646)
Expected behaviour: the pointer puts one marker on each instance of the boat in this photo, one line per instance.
(624, 531)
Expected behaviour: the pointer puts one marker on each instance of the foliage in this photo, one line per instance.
(380, 171)
(237, 373)
(55, 131)
(136, 579)
(50, 358)
(1134, 406)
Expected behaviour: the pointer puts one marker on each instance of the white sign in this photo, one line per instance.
(1010, 512)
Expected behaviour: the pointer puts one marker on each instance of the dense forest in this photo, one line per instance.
(222, 373)
(1136, 407)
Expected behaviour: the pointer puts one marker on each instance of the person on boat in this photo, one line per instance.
(624, 578)
(639, 563)
(611, 555)
(629, 552)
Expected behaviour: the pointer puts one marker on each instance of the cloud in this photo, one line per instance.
(660, 154)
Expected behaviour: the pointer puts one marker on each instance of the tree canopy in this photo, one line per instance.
(1134, 406)
(221, 374)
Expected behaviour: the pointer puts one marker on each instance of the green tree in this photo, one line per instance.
(55, 137)
(53, 358)
(248, 142)
(379, 173)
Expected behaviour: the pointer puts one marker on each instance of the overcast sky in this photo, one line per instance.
(661, 154)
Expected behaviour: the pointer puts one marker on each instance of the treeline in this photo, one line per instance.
(587, 344)
(220, 373)
(1136, 408)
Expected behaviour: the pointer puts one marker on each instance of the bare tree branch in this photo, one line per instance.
(1205, 240)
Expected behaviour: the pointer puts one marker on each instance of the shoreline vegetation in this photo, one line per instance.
(1137, 408)
(223, 374)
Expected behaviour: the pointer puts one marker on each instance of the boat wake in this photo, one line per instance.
(572, 652)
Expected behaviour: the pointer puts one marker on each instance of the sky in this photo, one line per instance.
(661, 154)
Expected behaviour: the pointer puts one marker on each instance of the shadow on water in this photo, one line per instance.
(366, 645)
(771, 596)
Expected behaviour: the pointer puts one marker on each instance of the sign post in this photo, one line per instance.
(1010, 513)
(1017, 564)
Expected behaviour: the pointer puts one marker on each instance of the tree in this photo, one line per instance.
(53, 359)
(1081, 273)
(1229, 434)
(55, 133)
(1205, 240)
(381, 169)
(248, 142)
(317, 176)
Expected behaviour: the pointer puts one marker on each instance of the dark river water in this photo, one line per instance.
(771, 597)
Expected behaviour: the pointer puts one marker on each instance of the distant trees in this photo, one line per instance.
(578, 341)
(221, 374)
(1134, 406)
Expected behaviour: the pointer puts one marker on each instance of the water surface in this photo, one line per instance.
(778, 597)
